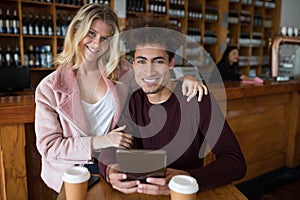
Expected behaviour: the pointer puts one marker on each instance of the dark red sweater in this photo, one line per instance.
(179, 127)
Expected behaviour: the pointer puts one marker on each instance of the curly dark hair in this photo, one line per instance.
(150, 29)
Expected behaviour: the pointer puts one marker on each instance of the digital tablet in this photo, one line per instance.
(138, 164)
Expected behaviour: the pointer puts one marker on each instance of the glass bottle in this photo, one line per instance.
(1, 21)
(2, 61)
(8, 24)
(15, 23)
(48, 56)
(44, 26)
(8, 56)
(50, 25)
(31, 56)
(58, 26)
(37, 25)
(37, 57)
(42, 56)
(24, 24)
(17, 59)
(30, 25)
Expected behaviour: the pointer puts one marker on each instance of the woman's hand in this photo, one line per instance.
(191, 86)
(115, 138)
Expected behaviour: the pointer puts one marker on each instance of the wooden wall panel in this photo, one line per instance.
(13, 148)
(260, 124)
(266, 165)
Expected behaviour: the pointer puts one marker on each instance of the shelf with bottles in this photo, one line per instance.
(38, 55)
(195, 11)
(40, 3)
(69, 3)
(10, 55)
(37, 22)
(135, 6)
(9, 20)
(177, 9)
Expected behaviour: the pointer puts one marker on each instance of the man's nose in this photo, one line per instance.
(149, 69)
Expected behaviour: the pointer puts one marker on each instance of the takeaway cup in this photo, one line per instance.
(76, 182)
(183, 187)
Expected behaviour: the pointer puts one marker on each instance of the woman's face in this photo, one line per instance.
(96, 42)
(233, 56)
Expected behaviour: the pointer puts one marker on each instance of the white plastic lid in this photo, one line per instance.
(183, 184)
(76, 175)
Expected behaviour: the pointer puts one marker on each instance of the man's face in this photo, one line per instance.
(152, 68)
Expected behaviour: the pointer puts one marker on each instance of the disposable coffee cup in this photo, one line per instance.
(183, 187)
(76, 182)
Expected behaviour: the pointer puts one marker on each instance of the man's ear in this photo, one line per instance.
(172, 63)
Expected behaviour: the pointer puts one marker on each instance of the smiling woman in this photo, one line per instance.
(75, 105)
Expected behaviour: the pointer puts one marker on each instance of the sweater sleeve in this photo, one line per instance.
(229, 164)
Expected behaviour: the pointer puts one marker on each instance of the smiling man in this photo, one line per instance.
(160, 118)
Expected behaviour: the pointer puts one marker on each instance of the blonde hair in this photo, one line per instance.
(81, 23)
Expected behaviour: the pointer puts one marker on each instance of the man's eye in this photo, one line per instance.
(159, 62)
(141, 61)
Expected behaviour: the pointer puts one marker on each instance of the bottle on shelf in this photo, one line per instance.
(43, 62)
(2, 61)
(37, 25)
(25, 24)
(50, 25)
(37, 57)
(1, 21)
(44, 28)
(58, 26)
(8, 57)
(64, 26)
(15, 23)
(48, 56)
(16, 55)
(8, 23)
(30, 25)
(31, 56)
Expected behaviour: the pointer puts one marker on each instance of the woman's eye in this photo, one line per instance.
(91, 33)
(104, 38)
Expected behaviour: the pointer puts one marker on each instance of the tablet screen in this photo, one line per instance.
(139, 164)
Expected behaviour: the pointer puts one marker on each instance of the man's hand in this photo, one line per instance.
(159, 186)
(191, 86)
(116, 179)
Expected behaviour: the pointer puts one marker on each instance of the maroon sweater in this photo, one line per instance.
(184, 129)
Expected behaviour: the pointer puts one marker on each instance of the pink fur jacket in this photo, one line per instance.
(62, 132)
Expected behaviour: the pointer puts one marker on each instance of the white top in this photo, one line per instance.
(100, 114)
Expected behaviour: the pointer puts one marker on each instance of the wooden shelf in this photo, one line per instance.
(41, 69)
(221, 26)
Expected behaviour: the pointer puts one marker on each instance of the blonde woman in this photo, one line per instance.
(76, 105)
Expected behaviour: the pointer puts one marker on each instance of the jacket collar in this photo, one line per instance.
(65, 82)
(70, 102)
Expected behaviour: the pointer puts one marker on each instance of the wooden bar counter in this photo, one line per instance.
(15, 111)
(103, 190)
(265, 119)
